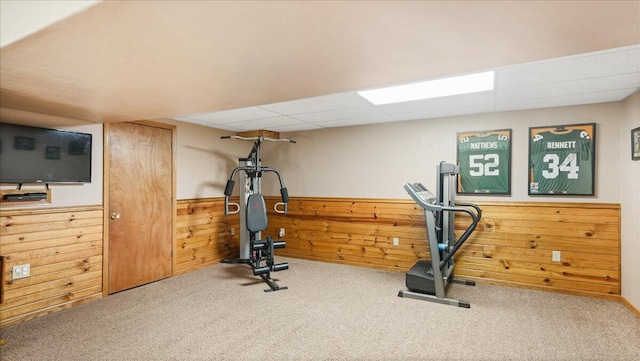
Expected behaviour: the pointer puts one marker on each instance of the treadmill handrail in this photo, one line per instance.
(475, 218)
(413, 190)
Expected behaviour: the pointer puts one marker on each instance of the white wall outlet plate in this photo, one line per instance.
(21, 271)
(556, 256)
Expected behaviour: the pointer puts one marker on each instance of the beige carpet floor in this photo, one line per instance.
(329, 312)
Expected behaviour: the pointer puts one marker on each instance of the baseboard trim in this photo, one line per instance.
(630, 306)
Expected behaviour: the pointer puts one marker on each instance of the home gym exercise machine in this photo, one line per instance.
(427, 280)
(255, 251)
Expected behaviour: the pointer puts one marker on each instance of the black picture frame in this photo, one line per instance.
(562, 160)
(635, 144)
(24, 143)
(52, 152)
(484, 159)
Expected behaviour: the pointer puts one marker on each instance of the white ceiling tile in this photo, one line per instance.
(568, 100)
(266, 123)
(592, 65)
(591, 85)
(378, 118)
(225, 127)
(191, 120)
(318, 104)
(234, 115)
(446, 112)
(340, 114)
(296, 127)
(597, 77)
(355, 121)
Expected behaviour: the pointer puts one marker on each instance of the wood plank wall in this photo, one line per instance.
(357, 232)
(204, 234)
(63, 247)
(515, 244)
(512, 245)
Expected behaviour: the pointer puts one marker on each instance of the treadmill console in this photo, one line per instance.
(422, 196)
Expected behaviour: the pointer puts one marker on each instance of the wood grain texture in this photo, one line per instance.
(140, 191)
(512, 244)
(258, 133)
(2, 274)
(63, 246)
(204, 234)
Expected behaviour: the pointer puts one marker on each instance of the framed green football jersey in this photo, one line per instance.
(484, 158)
(562, 160)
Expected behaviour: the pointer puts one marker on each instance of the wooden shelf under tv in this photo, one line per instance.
(3, 192)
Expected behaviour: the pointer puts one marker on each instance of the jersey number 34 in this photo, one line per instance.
(554, 167)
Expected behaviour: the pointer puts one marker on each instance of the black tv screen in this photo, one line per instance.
(40, 155)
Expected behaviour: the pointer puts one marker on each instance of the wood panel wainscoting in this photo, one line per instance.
(205, 236)
(512, 244)
(63, 247)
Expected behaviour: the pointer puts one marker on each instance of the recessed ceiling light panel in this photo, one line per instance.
(464, 84)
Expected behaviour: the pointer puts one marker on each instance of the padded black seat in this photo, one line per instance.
(256, 213)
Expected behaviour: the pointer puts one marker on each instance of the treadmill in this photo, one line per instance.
(423, 280)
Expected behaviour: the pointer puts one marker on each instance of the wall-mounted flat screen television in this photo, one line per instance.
(40, 155)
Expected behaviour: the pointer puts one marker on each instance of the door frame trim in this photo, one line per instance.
(105, 198)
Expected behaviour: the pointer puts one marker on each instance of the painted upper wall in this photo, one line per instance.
(204, 161)
(375, 161)
(372, 161)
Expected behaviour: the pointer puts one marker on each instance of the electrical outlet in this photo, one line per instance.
(21, 271)
(233, 231)
(281, 233)
(396, 241)
(556, 256)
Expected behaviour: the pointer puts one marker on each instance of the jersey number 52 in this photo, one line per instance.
(484, 165)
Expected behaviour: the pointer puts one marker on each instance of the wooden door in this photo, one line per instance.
(140, 205)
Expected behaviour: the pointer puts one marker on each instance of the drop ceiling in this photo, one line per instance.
(298, 65)
(598, 77)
